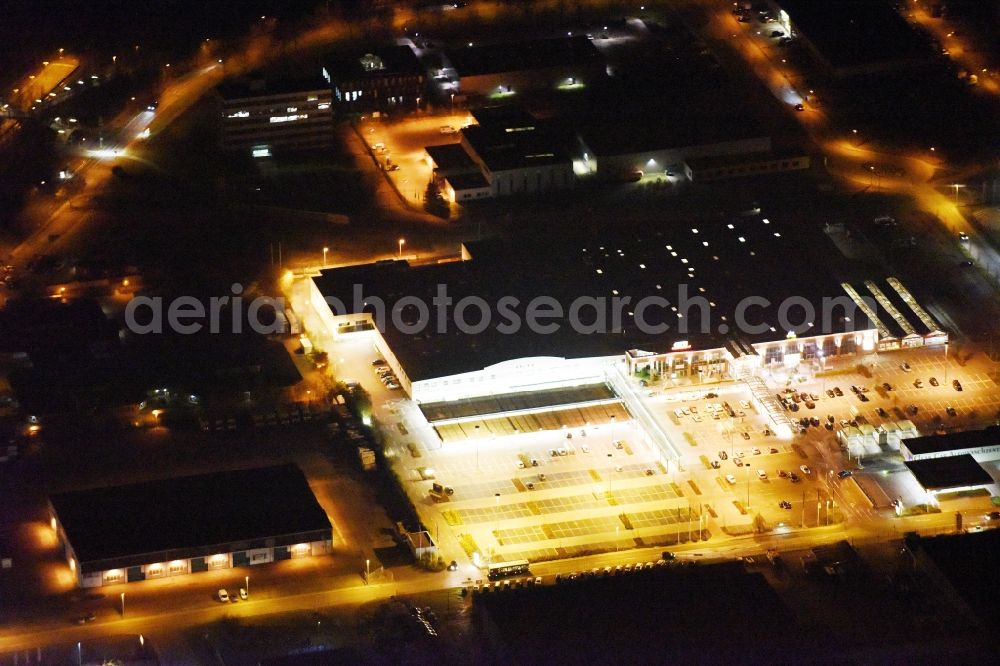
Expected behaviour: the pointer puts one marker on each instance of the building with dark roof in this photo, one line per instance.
(262, 113)
(981, 444)
(450, 159)
(852, 37)
(949, 474)
(964, 567)
(189, 524)
(694, 333)
(498, 71)
(381, 78)
(509, 152)
(668, 139)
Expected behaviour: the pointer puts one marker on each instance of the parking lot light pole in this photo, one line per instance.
(325, 250)
(477, 448)
(246, 580)
(367, 570)
(945, 362)
(123, 604)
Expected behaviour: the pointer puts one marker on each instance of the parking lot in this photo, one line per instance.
(397, 145)
(563, 492)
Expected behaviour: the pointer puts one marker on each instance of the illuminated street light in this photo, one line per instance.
(325, 250)
(246, 580)
(123, 604)
(367, 570)
(402, 241)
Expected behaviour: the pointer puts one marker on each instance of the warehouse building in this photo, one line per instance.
(983, 445)
(184, 525)
(260, 115)
(852, 37)
(505, 152)
(951, 474)
(503, 70)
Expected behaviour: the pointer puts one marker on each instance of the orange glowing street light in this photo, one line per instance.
(402, 241)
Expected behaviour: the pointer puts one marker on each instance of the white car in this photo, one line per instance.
(243, 593)
(731, 479)
(805, 469)
(223, 596)
(761, 474)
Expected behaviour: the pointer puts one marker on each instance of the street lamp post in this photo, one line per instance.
(496, 532)
(477, 449)
(246, 580)
(367, 570)
(945, 362)
(402, 241)
(325, 250)
(609, 477)
(123, 604)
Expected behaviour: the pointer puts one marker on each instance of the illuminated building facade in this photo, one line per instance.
(381, 79)
(184, 525)
(261, 115)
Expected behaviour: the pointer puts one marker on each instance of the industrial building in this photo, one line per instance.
(183, 525)
(505, 152)
(852, 37)
(499, 71)
(950, 474)
(259, 115)
(983, 445)
(668, 142)
(381, 78)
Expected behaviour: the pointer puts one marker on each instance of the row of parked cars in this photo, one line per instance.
(608, 571)
(385, 374)
(510, 583)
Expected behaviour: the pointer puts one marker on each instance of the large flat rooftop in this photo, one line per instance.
(717, 263)
(190, 512)
(954, 441)
(523, 55)
(855, 33)
(948, 473)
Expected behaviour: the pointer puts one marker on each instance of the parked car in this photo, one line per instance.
(957, 385)
(762, 475)
(905, 367)
(805, 469)
(731, 479)
(933, 381)
(844, 473)
(723, 455)
(223, 596)
(243, 593)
